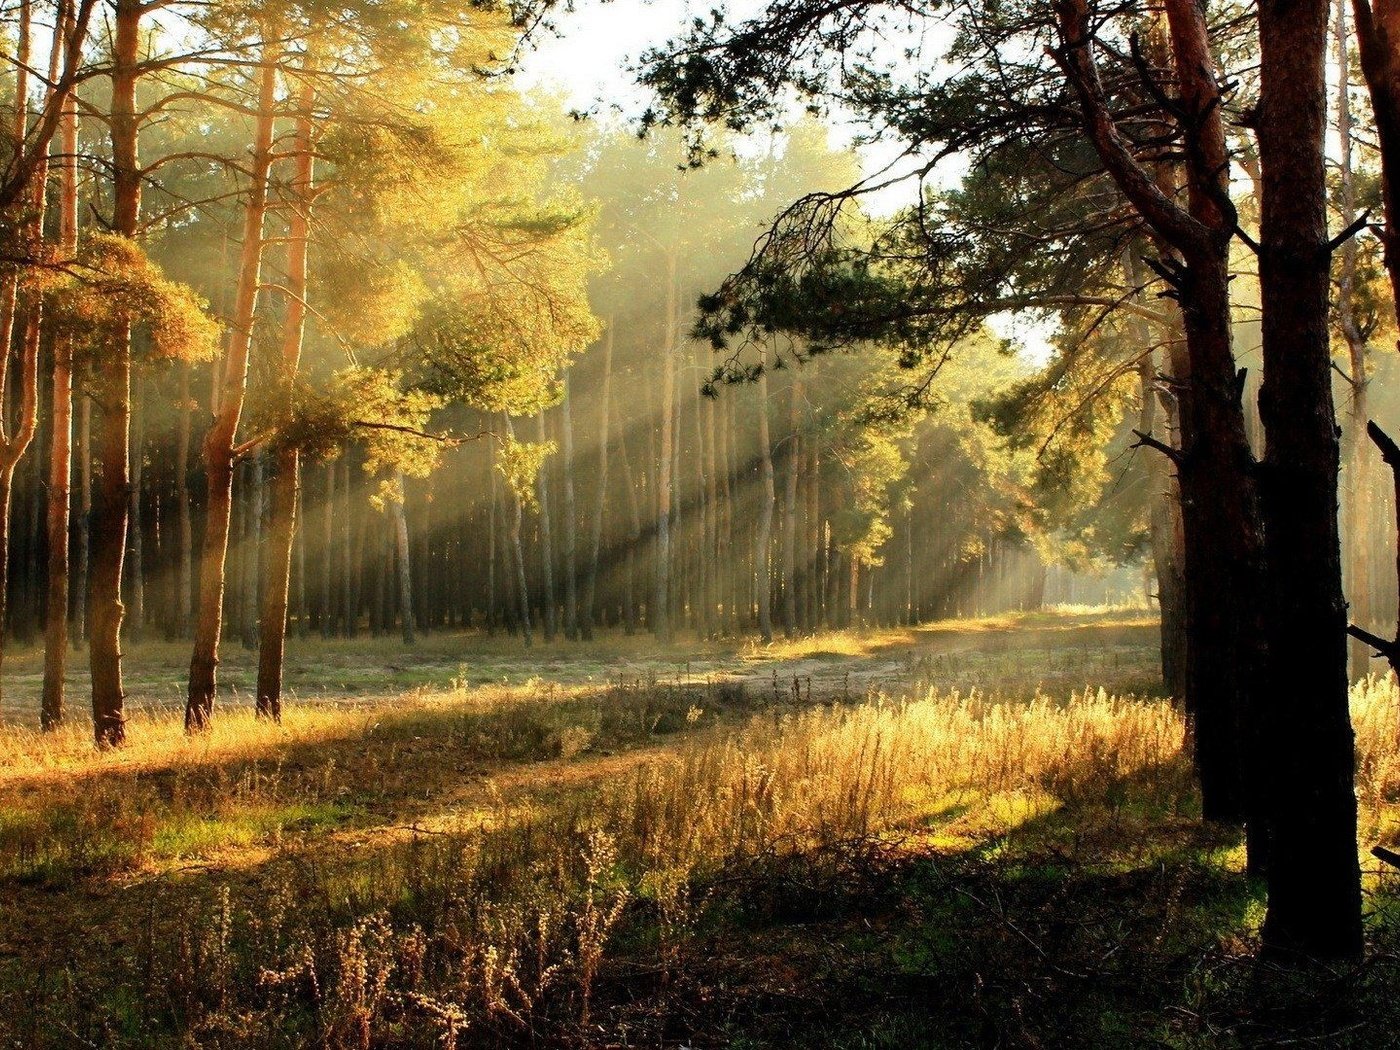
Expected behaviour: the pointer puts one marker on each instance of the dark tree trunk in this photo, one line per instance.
(1314, 906)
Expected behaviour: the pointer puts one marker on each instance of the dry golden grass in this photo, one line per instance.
(502, 915)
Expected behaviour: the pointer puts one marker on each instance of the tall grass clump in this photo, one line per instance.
(506, 929)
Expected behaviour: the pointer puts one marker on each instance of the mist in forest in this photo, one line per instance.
(534, 523)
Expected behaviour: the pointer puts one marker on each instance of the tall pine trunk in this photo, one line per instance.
(517, 516)
(550, 609)
(570, 518)
(1314, 907)
(590, 593)
(112, 392)
(660, 611)
(763, 537)
(286, 481)
(401, 558)
(220, 455)
(794, 468)
(61, 448)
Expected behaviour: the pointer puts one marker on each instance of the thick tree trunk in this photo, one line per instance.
(1314, 907)
(112, 390)
(1220, 516)
(220, 454)
(600, 502)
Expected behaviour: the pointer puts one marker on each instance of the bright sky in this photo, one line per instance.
(589, 62)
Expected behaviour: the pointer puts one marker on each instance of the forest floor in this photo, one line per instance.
(973, 833)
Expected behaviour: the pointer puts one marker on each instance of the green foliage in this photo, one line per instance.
(520, 463)
(116, 286)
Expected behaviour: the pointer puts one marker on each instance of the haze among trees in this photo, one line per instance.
(893, 543)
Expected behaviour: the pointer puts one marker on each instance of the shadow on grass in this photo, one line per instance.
(1095, 924)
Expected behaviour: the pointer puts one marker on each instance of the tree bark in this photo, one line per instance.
(516, 520)
(185, 558)
(286, 482)
(661, 592)
(794, 466)
(328, 572)
(220, 455)
(600, 502)
(61, 448)
(763, 540)
(550, 608)
(1224, 569)
(112, 391)
(1314, 908)
(570, 518)
(401, 548)
(136, 564)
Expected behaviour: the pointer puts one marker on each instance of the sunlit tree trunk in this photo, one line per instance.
(600, 502)
(80, 603)
(16, 435)
(661, 593)
(517, 516)
(570, 518)
(185, 566)
(220, 453)
(401, 551)
(112, 391)
(328, 566)
(549, 606)
(634, 537)
(491, 556)
(136, 566)
(286, 481)
(794, 468)
(763, 542)
(61, 448)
